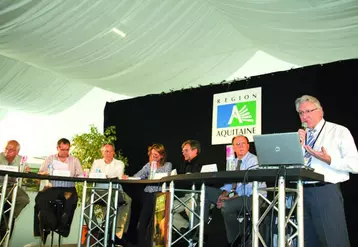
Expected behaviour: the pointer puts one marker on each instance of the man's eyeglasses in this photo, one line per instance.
(301, 113)
(10, 150)
(240, 144)
(187, 150)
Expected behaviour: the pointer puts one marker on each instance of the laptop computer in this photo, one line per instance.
(279, 149)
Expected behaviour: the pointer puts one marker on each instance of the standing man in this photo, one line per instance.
(330, 150)
(59, 190)
(114, 168)
(191, 150)
(11, 157)
(234, 199)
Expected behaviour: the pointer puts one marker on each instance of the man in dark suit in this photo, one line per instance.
(191, 150)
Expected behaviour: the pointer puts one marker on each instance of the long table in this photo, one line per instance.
(110, 212)
(296, 175)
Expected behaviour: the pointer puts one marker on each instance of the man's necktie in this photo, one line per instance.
(310, 141)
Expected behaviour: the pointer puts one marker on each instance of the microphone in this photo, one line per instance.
(304, 125)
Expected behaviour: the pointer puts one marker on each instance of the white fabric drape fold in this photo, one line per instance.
(299, 32)
(30, 89)
(56, 51)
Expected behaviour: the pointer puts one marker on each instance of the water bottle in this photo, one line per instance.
(230, 163)
(153, 169)
(230, 158)
(50, 169)
(233, 164)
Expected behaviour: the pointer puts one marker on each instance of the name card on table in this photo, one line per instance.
(97, 175)
(61, 173)
(160, 175)
(209, 168)
(9, 168)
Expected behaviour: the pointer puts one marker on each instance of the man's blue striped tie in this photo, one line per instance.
(310, 141)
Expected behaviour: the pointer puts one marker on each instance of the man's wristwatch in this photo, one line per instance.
(232, 193)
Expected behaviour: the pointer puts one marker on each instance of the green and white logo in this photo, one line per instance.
(236, 113)
(243, 114)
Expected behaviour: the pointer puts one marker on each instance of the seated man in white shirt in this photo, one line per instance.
(114, 168)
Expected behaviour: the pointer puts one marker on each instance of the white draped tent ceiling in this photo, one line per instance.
(52, 52)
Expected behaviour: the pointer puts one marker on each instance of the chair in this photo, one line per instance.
(243, 239)
(54, 226)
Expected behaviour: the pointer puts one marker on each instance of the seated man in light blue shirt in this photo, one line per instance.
(234, 199)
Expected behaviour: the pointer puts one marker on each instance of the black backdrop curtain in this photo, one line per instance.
(174, 117)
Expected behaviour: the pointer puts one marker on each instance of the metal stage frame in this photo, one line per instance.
(108, 198)
(278, 204)
(194, 180)
(5, 199)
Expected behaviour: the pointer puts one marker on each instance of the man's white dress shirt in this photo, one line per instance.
(340, 145)
(115, 169)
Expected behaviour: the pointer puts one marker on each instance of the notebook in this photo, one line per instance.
(279, 149)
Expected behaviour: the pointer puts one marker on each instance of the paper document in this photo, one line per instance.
(61, 173)
(58, 165)
(160, 175)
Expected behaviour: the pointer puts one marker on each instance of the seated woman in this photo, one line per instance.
(157, 153)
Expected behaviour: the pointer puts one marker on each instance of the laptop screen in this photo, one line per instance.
(279, 149)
